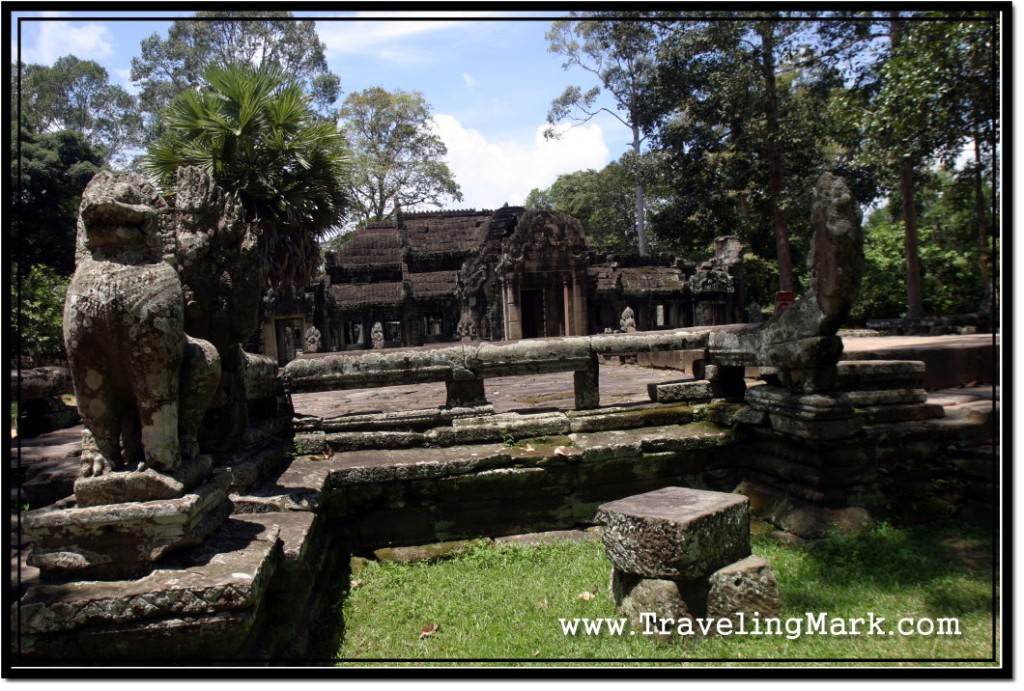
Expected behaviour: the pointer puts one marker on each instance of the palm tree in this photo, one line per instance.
(258, 134)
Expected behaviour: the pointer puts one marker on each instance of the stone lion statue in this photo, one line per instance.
(142, 384)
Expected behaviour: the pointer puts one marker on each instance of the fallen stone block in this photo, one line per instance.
(745, 588)
(684, 391)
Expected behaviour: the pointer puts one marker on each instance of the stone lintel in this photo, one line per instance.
(676, 532)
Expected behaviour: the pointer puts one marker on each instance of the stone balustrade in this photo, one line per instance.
(464, 367)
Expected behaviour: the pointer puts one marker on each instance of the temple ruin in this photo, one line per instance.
(503, 275)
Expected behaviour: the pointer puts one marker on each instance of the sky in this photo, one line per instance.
(488, 78)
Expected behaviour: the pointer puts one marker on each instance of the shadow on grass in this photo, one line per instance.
(950, 564)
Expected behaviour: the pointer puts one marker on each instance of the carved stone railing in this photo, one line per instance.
(464, 367)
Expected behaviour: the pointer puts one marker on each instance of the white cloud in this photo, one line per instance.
(468, 78)
(376, 38)
(59, 38)
(493, 173)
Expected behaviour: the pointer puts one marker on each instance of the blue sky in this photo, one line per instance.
(488, 77)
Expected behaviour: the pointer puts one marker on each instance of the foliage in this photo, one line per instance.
(75, 95)
(396, 153)
(739, 112)
(928, 88)
(39, 314)
(602, 200)
(505, 603)
(951, 283)
(257, 133)
(272, 39)
(51, 172)
(622, 55)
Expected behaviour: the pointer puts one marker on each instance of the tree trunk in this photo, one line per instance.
(981, 214)
(775, 166)
(641, 220)
(915, 308)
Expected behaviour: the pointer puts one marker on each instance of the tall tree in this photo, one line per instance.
(914, 118)
(257, 133)
(166, 67)
(397, 155)
(739, 114)
(622, 55)
(76, 95)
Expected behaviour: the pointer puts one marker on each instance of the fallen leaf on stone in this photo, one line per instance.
(561, 451)
(586, 596)
(428, 630)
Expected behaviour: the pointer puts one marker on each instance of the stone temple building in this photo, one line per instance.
(499, 275)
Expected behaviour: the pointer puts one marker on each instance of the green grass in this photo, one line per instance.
(494, 603)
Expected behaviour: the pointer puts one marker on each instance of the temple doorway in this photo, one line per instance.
(532, 313)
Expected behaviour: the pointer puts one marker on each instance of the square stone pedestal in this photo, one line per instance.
(676, 532)
(122, 540)
(682, 554)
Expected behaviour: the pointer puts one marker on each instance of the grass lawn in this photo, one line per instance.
(505, 604)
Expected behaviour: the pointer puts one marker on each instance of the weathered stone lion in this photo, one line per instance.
(142, 384)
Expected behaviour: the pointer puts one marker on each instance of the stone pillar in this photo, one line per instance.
(579, 308)
(567, 307)
(587, 386)
(504, 310)
(515, 325)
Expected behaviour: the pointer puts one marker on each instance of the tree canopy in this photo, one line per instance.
(396, 154)
(76, 95)
(51, 172)
(274, 39)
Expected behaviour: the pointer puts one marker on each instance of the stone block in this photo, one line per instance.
(893, 396)
(123, 540)
(665, 599)
(689, 391)
(879, 374)
(746, 587)
(885, 414)
(464, 393)
(676, 532)
(230, 572)
(141, 485)
(631, 417)
(427, 553)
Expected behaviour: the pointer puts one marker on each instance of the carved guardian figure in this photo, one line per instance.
(124, 332)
